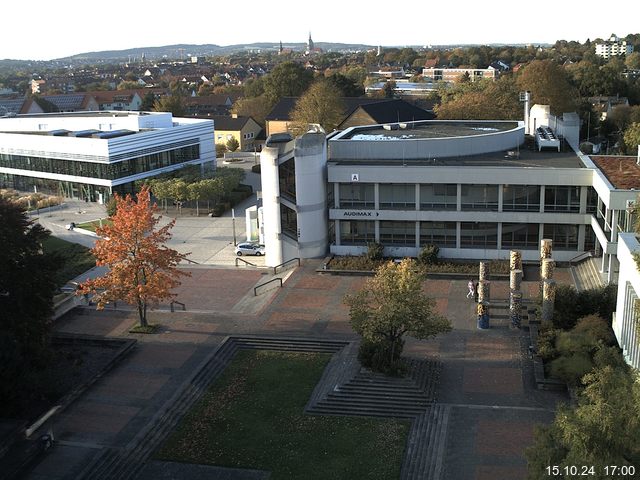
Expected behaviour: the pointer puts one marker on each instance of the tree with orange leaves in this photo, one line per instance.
(142, 270)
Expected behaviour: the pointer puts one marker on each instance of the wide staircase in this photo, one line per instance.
(586, 274)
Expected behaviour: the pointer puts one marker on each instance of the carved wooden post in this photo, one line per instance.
(548, 300)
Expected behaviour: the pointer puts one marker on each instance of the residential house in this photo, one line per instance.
(244, 129)
(358, 111)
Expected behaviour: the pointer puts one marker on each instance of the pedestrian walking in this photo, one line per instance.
(472, 289)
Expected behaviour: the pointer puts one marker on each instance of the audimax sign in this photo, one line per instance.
(360, 213)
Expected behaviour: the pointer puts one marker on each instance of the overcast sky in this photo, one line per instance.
(44, 30)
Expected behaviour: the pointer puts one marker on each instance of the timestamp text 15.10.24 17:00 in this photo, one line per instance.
(621, 471)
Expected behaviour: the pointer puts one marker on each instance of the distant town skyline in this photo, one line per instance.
(42, 31)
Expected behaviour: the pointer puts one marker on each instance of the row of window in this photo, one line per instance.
(107, 171)
(472, 234)
(515, 198)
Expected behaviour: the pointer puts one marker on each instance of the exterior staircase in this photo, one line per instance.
(586, 275)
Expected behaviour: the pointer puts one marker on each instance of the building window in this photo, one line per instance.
(287, 179)
(442, 234)
(565, 237)
(357, 232)
(357, 195)
(107, 171)
(439, 196)
(398, 233)
(289, 222)
(561, 199)
(478, 235)
(521, 198)
(592, 200)
(520, 235)
(398, 196)
(480, 197)
(589, 239)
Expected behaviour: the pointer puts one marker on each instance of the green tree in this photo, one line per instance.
(27, 286)
(483, 100)
(347, 86)
(233, 144)
(147, 102)
(174, 103)
(633, 61)
(389, 89)
(392, 304)
(321, 103)
(549, 85)
(632, 138)
(604, 429)
(288, 79)
(128, 85)
(255, 107)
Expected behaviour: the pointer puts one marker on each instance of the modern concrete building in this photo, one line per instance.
(90, 155)
(625, 320)
(476, 189)
(453, 74)
(613, 47)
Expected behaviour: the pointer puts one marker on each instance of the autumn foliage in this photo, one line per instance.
(141, 270)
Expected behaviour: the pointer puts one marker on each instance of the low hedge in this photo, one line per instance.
(366, 263)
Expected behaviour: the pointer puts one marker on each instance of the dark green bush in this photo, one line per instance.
(428, 254)
(375, 251)
(571, 305)
(378, 357)
(572, 368)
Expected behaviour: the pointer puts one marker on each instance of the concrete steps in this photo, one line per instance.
(126, 463)
(586, 275)
(373, 394)
(426, 445)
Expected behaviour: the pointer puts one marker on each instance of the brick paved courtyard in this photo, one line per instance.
(486, 375)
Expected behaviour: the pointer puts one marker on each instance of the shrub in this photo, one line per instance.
(429, 254)
(572, 368)
(377, 357)
(596, 329)
(375, 251)
(546, 347)
(571, 305)
(255, 168)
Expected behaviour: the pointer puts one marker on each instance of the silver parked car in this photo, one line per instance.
(249, 249)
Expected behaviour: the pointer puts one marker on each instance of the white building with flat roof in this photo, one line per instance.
(90, 155)
(613, 48)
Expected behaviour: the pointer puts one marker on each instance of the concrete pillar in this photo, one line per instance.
(484, 271)
(548, 266)
(515, 279)
(484, 291)
(483, 315)
(515, 260)
(548, 300)
(546, 247)
(515, 308)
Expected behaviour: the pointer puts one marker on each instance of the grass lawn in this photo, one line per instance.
(252, 417)
(76, 258)
(91, 226)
